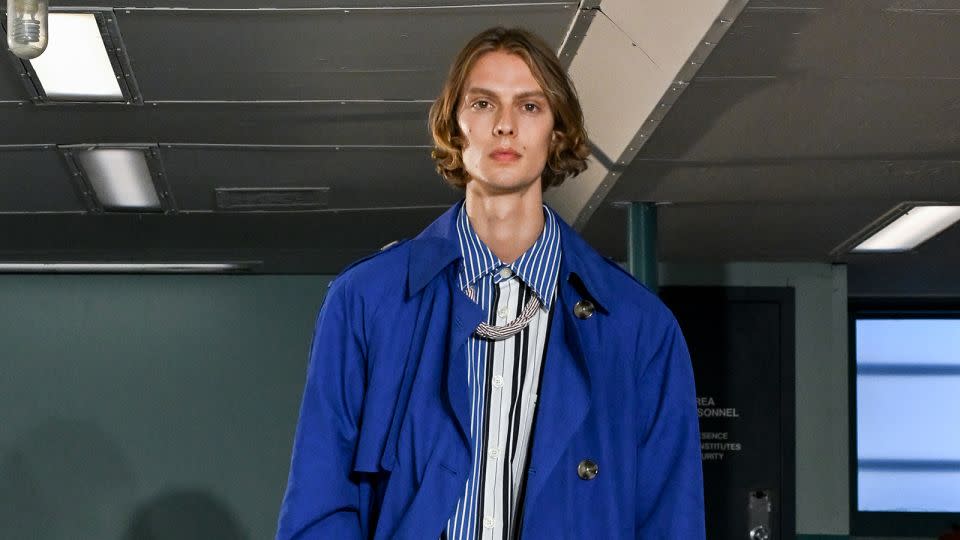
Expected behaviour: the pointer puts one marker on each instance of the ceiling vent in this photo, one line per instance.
(275, 199)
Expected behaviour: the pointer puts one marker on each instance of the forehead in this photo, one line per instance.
(501, 71)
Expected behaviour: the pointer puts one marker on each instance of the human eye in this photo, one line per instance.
(531, 107)
(480, 104)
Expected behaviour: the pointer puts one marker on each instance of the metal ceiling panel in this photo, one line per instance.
(761, 42)
(740, 231)
(319, 242)
(294, 4)
(808, 181)
(809, 119)
(372, 177)
(812, 79)
(11, 84)
(36, 180)
(313, 54)
(930, 270)
(751, 119)
(803, 127)
(251, 124)
(868, 39)
(790, 4)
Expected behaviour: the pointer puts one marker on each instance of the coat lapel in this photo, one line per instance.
(464, 318)
(433, 261)
(565, 395)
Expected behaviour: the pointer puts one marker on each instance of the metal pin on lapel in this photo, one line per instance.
(583, 309)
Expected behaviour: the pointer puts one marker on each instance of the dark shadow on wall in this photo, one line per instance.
(184, 515)
(64, 479)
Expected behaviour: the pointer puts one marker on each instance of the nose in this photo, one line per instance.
(504, 125)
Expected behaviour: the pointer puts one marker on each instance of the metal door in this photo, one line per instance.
(741, 342)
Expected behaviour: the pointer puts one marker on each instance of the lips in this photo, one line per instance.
(504, 155)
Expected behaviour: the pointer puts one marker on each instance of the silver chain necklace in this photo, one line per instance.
(498, 333)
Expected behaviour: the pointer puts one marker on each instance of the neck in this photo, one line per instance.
(508, 223)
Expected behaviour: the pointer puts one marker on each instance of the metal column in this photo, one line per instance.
(642, 243)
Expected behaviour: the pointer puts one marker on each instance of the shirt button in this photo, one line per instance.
(497, 381)
(494, 453)
(505, 272)
(488, 522)
(502, 313)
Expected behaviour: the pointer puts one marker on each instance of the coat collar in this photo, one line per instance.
(437, 247)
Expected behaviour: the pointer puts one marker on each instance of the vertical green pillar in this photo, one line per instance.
(642, 243)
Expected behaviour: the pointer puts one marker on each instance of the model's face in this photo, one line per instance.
(506, 124)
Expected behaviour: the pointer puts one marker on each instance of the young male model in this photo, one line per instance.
(494, 377)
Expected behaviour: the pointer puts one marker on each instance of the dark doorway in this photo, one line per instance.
(741, 341)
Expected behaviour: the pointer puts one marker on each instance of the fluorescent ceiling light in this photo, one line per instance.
(119, 267)
(75, 66)
(908, 231)
(120, 177)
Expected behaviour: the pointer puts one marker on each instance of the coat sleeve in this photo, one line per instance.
(321, 499)
(669, 470)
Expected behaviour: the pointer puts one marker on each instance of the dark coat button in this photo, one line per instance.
(583, 309)
(587, 470)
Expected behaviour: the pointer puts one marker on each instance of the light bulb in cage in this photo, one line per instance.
(27, 27)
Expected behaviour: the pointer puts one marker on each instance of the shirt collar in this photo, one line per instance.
(436, 248)
(537, 267)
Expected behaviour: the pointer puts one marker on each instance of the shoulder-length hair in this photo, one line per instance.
(568, 149)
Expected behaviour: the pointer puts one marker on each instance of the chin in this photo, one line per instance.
(502, 179)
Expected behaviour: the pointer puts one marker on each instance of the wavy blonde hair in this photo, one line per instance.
(569, 147)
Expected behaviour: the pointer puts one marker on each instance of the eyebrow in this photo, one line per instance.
(521, 95)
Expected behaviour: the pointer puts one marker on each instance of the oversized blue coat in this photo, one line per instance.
(381, 448)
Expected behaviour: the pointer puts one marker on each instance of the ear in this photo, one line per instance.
(555, 137)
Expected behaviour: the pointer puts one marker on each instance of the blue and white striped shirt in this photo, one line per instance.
(503, 378)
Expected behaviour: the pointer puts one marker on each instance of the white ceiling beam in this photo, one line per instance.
(634, 60)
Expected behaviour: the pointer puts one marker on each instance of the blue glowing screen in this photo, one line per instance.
(908, 415)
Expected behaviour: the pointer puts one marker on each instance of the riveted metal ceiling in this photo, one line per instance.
(810, 119)
(36, 180)
(237, 97)
(311, 54)
(358, 178)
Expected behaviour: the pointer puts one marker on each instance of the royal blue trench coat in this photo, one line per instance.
(381, 449)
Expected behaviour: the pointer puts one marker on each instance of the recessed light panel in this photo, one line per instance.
(120, 177)
(75, 66)
(908, 231)
(118, 267)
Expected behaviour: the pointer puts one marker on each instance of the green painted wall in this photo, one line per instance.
(141, 407)
(163, 406)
